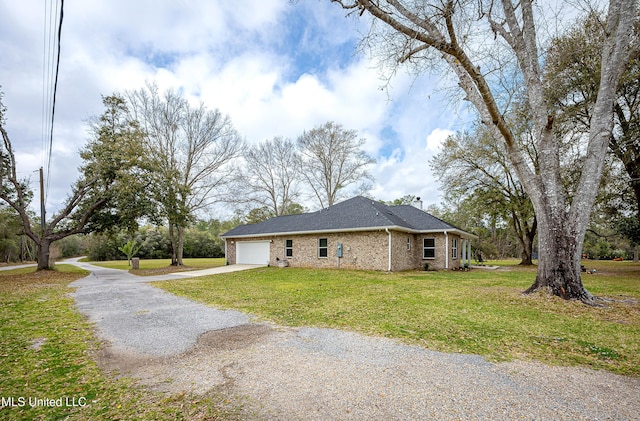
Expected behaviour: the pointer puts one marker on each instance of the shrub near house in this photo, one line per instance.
(358, 233)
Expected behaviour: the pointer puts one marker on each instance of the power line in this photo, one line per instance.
(55, 89)
(46, 48)
(47, 74)
(49, 96)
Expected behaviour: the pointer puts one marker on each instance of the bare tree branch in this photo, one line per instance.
(332, 160)
(194, 150)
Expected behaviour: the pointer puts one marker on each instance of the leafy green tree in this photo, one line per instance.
(407, 199)
(107, 182)
(103, 246)
(198, 244)
(73, 246)
(115, 158)
(155, 241)
(257, 215)
(496, 240)
(294, 209)
(12, 241)
(473, 166)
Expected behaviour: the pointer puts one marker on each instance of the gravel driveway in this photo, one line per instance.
(175, 344)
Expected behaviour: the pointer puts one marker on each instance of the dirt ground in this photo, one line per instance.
(281, 373)
(203, 368)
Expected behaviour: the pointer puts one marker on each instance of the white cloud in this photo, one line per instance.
(406, 172)
(436, 138)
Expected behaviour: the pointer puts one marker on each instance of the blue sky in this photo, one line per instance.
(275, 67)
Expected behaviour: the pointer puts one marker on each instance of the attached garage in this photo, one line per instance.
(253, 252)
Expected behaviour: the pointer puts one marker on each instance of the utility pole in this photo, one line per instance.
(43, 214)
(42, 211)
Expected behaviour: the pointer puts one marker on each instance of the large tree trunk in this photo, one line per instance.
(180, 248)
(43, 254)
(527, 252)
(525, 235)
(561, 229)
(176, 236)
(559, 252)
(172, 241)
(560, 239)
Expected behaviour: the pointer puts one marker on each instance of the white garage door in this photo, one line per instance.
(252, 252)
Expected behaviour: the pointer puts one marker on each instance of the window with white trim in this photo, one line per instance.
(323, 247)
(408, 243)
(288, 248)
(454, 248)
(429, 248)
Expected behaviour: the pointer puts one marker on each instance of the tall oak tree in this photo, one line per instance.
(492, 46)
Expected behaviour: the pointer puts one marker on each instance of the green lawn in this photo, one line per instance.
(502, 262)
(47, 349)
(154, 266)
(480, 312)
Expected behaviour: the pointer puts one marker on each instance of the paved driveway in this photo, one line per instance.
(133, 315)
(12, 267)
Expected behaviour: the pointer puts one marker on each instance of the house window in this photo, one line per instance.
(288, 248)
(454, 248)
(323, 248)
(429, 248)
(409, 243)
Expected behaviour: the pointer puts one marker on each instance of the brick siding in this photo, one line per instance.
(367, 250)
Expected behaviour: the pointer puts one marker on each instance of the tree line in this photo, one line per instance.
(150, 242)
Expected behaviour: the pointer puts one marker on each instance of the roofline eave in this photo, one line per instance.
(461, 233)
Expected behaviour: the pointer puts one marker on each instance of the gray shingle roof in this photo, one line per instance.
(358, 213)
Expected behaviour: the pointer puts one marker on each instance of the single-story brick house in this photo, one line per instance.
(358, 233)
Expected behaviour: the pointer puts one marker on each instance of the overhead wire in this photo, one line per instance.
(46, 43)
(51, 67)
(47, 63)
(55, 90)
(44, 78)
(47, 78)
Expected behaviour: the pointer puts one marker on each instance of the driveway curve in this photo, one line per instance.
(132, 314)
(174, 344)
